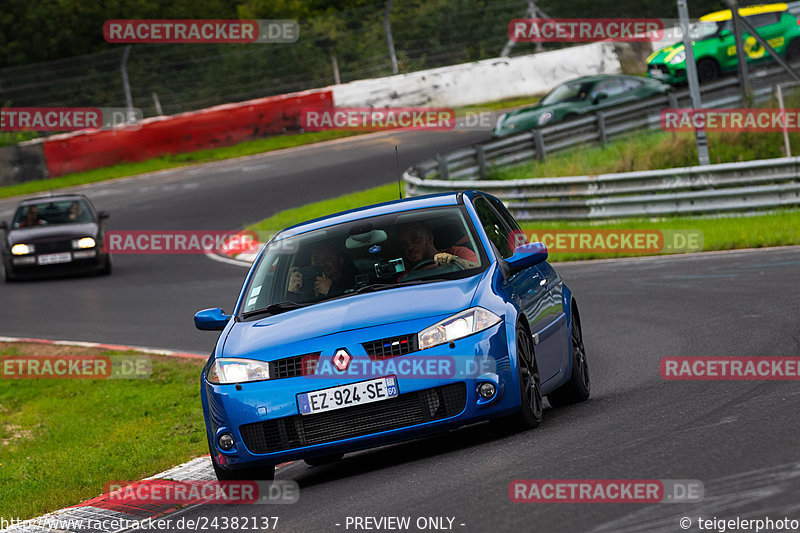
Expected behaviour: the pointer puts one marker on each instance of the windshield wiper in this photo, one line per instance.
(274, 309)
(372, 287)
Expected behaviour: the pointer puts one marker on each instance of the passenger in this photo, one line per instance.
(75, 211)
(333, 281)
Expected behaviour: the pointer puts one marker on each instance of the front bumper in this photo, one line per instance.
(667, 73)
(79, 261)
(264, 420)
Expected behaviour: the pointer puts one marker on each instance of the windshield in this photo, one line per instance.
(704, 30)
(53, 212)
(569, 92)
(365, 255)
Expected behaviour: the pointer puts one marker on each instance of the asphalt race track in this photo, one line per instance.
(739, 438)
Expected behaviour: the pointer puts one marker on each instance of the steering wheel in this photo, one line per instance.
(422, 264)
(431, 261)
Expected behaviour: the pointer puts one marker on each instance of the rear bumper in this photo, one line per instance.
(264, 418)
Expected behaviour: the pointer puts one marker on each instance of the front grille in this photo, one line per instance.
(291, 367)
(52, 247)
(391, 347)
(405, 410)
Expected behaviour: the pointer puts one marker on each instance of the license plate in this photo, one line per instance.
(49, 259)
(360, 393)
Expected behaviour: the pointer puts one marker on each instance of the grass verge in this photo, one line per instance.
(62, 440)
(777, 228)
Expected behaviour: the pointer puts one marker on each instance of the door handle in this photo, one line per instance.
(543, 282)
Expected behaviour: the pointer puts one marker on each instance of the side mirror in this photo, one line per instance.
(598, 97)
(527, 255)
(213, 319)
(102, 215)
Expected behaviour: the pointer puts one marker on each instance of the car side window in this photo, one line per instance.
(630, 85)
(763, 19)
(610, 87)
(496, 230)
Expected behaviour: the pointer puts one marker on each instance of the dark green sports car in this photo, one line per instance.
(578, 97)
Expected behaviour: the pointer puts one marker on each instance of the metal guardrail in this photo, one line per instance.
(750, 185)
(706, 189)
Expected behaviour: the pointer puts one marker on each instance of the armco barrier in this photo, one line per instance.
(721, 188)
(223, 125)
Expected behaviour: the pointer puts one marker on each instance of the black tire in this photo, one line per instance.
(257, 473)
(578, 388)
(8, 276)
(707, 70)
(529, 414)
(793, 51)
(105, 270)
(324, 459)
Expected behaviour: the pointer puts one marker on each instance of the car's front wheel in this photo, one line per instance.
(529, 414)
(793, 52)
(578, 388)
(707, 70)
(8, 275)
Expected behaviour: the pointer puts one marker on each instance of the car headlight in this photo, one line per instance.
(544, 118)
(225, 370)
(85, 242)
(457, 326)
(680, 57)
(22, 249)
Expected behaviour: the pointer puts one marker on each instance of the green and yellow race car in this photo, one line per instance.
(714, 45)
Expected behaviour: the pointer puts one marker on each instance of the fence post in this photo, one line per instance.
(673, 100)
(601, 125)
(540, 149)
(444, 173)
(480, 153)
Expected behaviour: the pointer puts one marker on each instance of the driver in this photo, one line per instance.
(416, 240)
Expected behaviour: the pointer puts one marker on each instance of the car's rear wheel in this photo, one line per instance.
(253, 473)
(578, 388)
(707, 70)
(323, 459)
(529, 414)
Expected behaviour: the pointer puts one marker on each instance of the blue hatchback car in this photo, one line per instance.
(388, 323)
